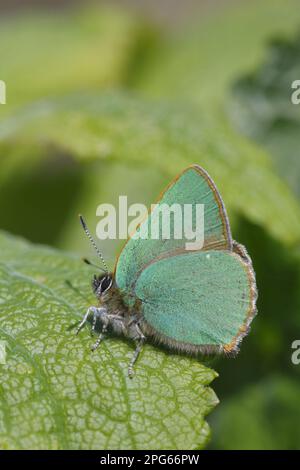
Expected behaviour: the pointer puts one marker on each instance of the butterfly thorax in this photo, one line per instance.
(114, 302)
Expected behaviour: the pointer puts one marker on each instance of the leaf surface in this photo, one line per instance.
(57, 394)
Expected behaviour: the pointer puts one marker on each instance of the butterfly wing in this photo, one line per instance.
(202, 301)
(193, 186)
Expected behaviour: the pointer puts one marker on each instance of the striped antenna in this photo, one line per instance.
(88, 234)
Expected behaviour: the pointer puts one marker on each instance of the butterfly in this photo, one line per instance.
(193, 301)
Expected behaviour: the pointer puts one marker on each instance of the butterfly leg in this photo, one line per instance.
(115, 321)
(96, 312)
(101, 336)
(95, 318)
(141, 340)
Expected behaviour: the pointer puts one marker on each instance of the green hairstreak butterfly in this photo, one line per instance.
(199, 301)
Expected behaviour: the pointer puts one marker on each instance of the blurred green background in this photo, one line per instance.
(110, 98)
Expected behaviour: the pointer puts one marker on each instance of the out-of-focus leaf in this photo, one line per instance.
(203, 60)
(56, 394)
(167, 138)
(104, 182)
(262, 109)
(48, 54)
(264, 416)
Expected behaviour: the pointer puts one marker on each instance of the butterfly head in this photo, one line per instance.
(102, 283)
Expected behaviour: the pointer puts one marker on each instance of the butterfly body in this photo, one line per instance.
(193, 301)
(122, 318)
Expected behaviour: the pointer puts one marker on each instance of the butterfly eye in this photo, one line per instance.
(95, 283)
(105, 284)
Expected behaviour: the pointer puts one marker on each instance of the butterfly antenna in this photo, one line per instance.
(87, 261)
(84, 226)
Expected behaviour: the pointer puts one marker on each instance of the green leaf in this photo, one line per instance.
(97, 129)
(268, 410)
(261, 107)
(202, 61)
(88, 48)
(56, 394)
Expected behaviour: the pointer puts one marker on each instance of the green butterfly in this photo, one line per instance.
(199, 301)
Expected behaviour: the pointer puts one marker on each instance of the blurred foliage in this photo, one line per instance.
(268, 413)
(65, 397)
(202, 61)
(166, 138)
(216, 93)
(49, 54)
(262, 109)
